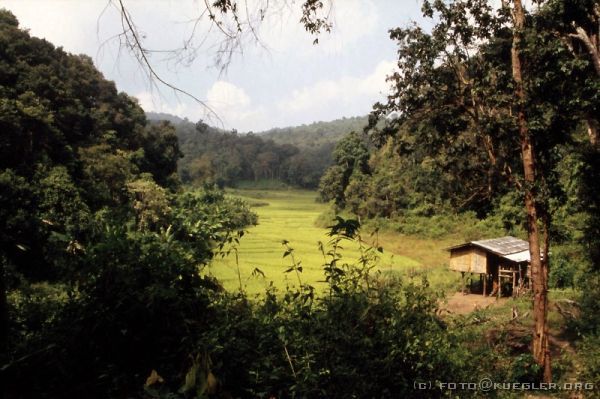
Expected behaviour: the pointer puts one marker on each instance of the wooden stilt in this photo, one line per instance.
(521, 282)
(499, 285)
(481, 281)
(485, 277)
(514, 285)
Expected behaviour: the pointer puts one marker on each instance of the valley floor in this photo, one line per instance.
(291, 215)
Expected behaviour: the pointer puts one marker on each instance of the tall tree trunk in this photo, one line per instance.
(593, 131)
(591, 44)
(539, 268)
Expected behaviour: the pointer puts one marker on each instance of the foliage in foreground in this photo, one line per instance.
(143, 315)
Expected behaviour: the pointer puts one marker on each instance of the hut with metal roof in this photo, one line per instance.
(496, 261)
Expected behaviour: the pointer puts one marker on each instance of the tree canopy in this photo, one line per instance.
(297, 156)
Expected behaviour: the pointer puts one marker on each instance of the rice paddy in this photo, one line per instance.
(289, 215)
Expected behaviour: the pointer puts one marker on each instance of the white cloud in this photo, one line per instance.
(225, 95)
(350, 92)
(353, 19)
(234, 107)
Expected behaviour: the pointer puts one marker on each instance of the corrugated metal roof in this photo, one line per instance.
(519, 257)
(504, 245)
(508, 247)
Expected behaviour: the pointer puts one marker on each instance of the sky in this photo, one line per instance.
(283, 80)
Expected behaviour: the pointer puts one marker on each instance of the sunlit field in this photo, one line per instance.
(289, 215)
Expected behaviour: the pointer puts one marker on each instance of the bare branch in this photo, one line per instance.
(129, 27)
(231, 22)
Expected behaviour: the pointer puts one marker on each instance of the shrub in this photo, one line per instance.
(589, 323)
(589, 348)
(525, 369)
(562, 269)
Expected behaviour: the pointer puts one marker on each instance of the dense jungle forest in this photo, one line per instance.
(143, 255)
(295, 156)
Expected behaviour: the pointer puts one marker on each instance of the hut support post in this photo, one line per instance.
(521, 282)
(499, 285)
(485, 277)
(481, 280)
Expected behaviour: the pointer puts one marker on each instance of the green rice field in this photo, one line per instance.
(288, 215)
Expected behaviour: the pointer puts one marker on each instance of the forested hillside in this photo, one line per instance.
(316, 134)
(297, 156)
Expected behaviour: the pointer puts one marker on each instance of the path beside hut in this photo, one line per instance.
(459, 303)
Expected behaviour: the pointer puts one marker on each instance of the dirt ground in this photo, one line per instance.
(460, 303)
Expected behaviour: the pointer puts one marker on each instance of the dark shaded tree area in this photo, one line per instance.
(100, 249)
(69, 144)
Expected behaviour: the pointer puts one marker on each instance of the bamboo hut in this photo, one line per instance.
(497, 261)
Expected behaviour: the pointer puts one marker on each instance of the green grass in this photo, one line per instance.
(288, 215)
